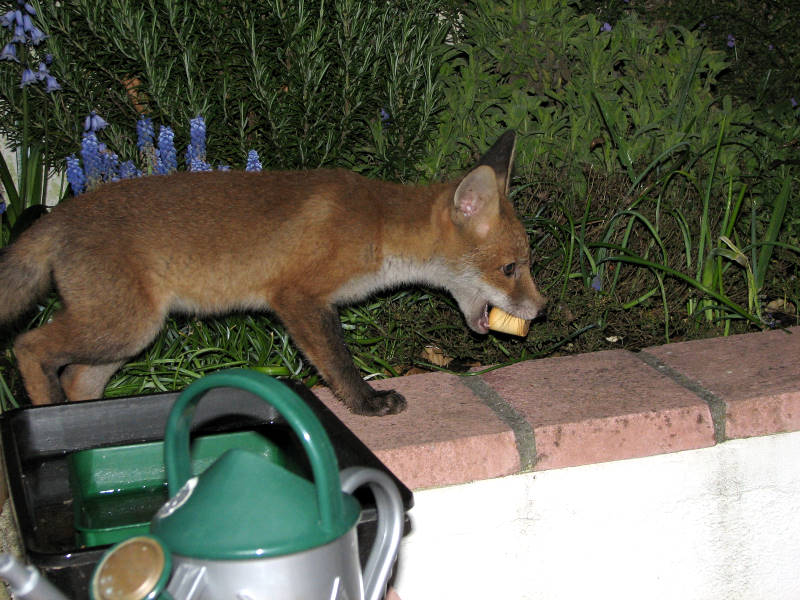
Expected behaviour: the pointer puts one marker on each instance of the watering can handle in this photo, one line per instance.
(391, 515)
(300, 417)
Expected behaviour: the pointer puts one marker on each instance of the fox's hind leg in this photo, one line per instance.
(87, 382)
(39, 371)
(89, 346)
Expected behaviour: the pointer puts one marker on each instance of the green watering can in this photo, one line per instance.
(248, 529)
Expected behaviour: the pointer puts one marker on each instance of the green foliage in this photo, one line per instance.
(657, 207)
(24, 198)
(302, 82)
(758, 38)
(580, 94)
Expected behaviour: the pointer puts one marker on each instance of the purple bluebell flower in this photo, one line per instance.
(37, 36)
(253, 163)
(731, 40)
(9, 52)
(92, 161)
(42, 72)
(7, 20)
(385, 116)
(793, 102)
(606, 27)
(51, 85)
(94, 122)
(75, 175)
(28, 77)
(168, 161)
(20, 36)
(2, 206)
(597, 283)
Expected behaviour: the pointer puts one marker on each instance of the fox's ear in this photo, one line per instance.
(476, 202)
(500, 158)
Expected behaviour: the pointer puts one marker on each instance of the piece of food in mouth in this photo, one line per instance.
(500, 320)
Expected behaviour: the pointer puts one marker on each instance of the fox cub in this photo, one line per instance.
(296, 243)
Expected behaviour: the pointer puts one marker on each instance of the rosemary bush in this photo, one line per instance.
(305, 83)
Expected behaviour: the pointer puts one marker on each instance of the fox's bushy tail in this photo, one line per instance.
(25, 272)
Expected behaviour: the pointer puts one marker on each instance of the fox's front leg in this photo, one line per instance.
(318, 333)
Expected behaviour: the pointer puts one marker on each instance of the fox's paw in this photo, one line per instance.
(379, 404)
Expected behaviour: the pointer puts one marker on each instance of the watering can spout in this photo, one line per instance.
(26, 582)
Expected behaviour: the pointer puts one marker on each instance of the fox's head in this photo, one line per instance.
(491, 251)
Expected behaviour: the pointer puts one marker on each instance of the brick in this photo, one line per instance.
(447, 435)
(602, 406)
(757, 375)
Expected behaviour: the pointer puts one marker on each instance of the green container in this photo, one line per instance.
(117, 490)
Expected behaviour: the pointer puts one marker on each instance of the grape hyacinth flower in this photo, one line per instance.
(196, 151)
(731, 40)
(75, 175)
(109, 164)
(145, 134)
(197, 137)
(144, 131)
(128, 170)
(606, 27)
(167, 159)
(197, 165)
(92, 161)
(253, 163)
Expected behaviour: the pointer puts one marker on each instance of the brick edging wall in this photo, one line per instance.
(574, 410)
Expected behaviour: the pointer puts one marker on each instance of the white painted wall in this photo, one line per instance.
(721, 523)
(55, 183)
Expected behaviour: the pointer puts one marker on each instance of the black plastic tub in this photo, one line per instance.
(36, 442)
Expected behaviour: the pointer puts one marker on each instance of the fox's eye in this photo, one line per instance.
(508, 270)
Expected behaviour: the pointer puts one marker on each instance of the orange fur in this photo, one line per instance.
(297, 243)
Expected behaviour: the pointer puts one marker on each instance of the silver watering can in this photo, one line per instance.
(248, 529)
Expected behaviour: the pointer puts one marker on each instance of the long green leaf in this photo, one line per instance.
(775, 222)
(635, 260)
